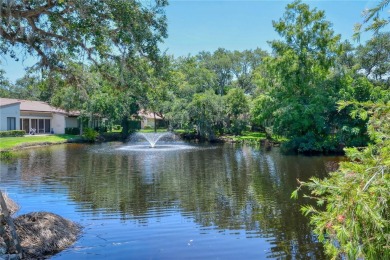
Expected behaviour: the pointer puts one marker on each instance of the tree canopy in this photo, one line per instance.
(372, 20)
(301, 97)
(320, 94)
(59, 30)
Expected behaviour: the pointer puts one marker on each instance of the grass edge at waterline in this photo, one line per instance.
(13, 143)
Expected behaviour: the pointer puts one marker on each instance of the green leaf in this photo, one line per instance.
(294, 194)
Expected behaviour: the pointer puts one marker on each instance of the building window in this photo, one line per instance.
(26, 125)
(47, 125)
(39, 125)
(11, 123)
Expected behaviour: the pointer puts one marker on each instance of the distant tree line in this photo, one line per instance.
(320, 93)
(292, 92)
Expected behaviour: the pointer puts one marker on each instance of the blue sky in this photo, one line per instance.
(205, 25)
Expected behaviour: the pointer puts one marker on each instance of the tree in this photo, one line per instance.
(5, 85)
(301, 98)
(355, 222)
(261, 112)
(220, 64)
(196, 77)
(157, 88)
(352, 213)
(243, 65)
(236, 106)
(374, 58)
(373, 15)
(205, 111)
(57, 30)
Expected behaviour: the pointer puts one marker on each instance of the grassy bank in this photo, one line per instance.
(12, 143)
(247, 136)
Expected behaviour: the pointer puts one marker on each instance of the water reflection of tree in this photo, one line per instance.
(227, 189)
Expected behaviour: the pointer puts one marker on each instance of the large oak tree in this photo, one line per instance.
(81, 30)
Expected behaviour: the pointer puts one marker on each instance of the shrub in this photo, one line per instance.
(6, 155)
(101, 129)
(72, 130)
(310, 143)
(90, 135)
(352, 217)
(111, 136)
(12, 133)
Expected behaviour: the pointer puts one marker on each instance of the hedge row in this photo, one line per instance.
(12, 133)
(72, 130)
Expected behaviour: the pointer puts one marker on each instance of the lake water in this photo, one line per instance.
(196, 202)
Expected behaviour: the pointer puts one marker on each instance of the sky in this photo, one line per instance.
(206, 25)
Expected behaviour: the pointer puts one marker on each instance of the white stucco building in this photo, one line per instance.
(149, 119)
(17, 114)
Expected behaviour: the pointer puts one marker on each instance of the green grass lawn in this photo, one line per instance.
(256, 136)
(9, 143)
(249, 136)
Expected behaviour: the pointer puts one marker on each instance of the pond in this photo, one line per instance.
(197, 202)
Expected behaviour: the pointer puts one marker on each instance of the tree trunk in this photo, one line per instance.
(125, 127)
(13, 243)
(155, 124)
(90, 122)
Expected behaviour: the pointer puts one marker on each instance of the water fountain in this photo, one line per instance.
(154, 142)
(153, 138)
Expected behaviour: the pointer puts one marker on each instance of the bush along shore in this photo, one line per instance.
(247, 137)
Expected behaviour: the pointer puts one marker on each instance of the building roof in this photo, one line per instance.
(7, 101)
(36, 106)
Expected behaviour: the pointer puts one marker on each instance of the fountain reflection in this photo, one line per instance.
(227, 188)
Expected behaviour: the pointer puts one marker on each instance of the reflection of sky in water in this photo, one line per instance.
(220, 201)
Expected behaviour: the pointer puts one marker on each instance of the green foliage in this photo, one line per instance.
(373, 17)
(101, 129)
(220, 82)
(116, 127)
(109, 137)
(72, 130)
(6, 155)
(249, 137)
(236, 108)
(297, 99)
(236, 102)
(134, 125)
(151, 130)
(355, 221)
(309, 143)
(57, 31)
(5, 85)
(260, 110)
(90, 134)
(374, 58)
(292, 93)
(243, 66)
(206, 110)
(30, 87)
(12, 133)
